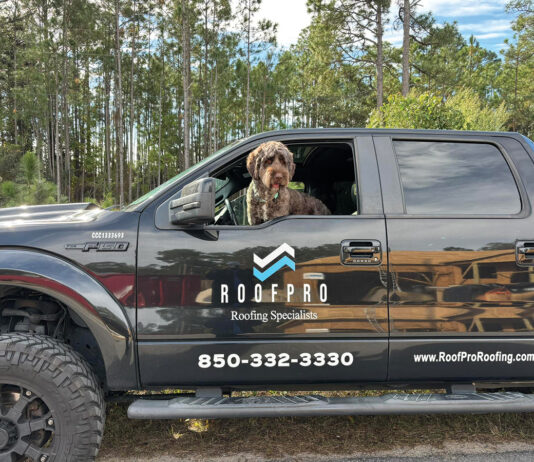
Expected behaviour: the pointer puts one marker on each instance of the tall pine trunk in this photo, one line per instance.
(186, 44)
(247, 110)
(130, 154)
(107, 130)
(64, 89)
(50, 139)
(206, 127)
(161, 96)
(516, 85)
(15, 110)
(88, 151)
(406, 48)
(214, 115)
(118, 103)
(56, 140)
(379, 57)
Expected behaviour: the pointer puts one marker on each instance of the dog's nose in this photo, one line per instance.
(278, 177)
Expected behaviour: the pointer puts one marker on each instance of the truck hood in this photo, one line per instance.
(14, 216)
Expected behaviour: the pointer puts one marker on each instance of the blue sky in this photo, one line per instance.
(485, 19)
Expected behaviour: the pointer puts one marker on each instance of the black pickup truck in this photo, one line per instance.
(422, 277)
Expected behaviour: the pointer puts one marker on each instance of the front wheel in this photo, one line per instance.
(51, 404)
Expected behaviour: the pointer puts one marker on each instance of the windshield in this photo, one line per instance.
(174, 179)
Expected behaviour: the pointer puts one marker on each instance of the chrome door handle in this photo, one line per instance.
(524, 253)
(361, 252)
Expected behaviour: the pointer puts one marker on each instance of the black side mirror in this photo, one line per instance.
(196, 204)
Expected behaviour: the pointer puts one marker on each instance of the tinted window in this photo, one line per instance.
(456, 178)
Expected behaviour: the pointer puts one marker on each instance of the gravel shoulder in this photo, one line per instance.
(450, 451)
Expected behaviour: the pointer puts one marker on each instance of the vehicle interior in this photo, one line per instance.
(324, 170)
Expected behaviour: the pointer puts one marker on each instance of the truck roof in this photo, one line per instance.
(382, 131)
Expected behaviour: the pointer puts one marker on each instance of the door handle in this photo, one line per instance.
(524, 253)
(361, 252)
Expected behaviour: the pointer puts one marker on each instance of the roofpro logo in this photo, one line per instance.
(297, 286)
(266, 266)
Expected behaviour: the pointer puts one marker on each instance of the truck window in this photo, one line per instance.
(456, 178)
(324, 170)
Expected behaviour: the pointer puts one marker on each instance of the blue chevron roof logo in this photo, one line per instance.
(267, 271)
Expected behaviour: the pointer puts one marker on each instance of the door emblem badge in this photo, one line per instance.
(263, 263)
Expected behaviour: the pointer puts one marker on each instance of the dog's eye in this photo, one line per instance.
(268, 162)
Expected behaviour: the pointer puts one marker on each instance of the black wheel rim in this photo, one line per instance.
(27, 426)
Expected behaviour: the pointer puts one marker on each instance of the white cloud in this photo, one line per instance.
(488, 29)
(291, 16)
(487, 26)
(490, 35)
(393, 36)
(461, 8)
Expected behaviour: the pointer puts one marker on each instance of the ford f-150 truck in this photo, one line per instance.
(422, 277)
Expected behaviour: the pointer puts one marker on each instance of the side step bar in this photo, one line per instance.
(312, 405)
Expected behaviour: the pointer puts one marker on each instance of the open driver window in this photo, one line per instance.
(324, 170)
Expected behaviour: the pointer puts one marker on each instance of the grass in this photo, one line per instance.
(279, 437)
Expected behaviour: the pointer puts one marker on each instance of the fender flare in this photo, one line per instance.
(101, 312)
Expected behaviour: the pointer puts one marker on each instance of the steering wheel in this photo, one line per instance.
(231, 211)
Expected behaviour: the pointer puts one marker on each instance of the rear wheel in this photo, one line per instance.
(51, 405)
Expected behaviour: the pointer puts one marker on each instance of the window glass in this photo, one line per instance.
(221, 183)
(324, 170)
(456, 178)
(180, 175)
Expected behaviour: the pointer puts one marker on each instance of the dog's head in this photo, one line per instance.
(272, 164)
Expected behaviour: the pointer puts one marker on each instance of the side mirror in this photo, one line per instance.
(196, 204)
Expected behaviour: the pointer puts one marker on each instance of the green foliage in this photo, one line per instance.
(516, 82)
(29, 189)
(43, 192)
(29, 166)
(9, 157)
(465, 110)
(58, 79)
(425, 111)
(478, 115)
(522, 6)
(106, 202)
(8, 193)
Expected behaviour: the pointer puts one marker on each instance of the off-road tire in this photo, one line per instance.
(50, 372)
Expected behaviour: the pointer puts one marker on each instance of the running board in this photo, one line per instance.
(312, 405)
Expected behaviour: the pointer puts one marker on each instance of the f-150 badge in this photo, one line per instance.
(99, 246)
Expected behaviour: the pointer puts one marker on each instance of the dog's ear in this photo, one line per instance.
(252, 164)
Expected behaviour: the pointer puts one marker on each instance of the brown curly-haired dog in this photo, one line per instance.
(271, 167)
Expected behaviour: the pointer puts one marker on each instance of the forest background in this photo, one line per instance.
(103, 100)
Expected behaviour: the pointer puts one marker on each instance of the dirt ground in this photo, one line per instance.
(450, 451)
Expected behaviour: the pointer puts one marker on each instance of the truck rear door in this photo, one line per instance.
(459, 226)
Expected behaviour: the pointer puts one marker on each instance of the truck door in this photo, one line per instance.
(299, 299)
(459, 223)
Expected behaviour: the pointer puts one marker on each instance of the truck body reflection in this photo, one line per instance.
(448, 291)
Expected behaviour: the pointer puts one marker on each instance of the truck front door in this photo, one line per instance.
(300, 299)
